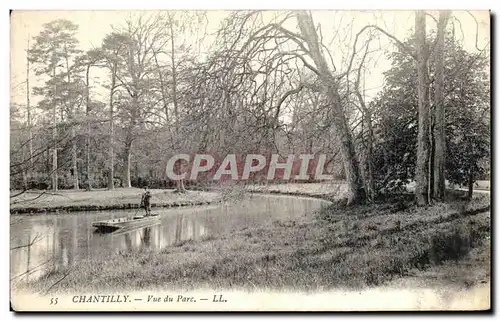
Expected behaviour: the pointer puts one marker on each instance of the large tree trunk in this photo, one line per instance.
(23, 171)
(87, 140)
(181, 168)
(28, 108)
(422, 170)
(54, 134)
(355, 192)
(111, 173)
(130, 137)
(370, 188)
(128, 160)
(71, 117)
(470, 184)
(30, 133)
(439, 112)
(74, 159)
(367, 164)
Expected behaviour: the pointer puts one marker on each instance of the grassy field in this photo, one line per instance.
(104, 199)
(339, 247)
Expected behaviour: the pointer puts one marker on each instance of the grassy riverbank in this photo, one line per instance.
(329, 190)
(339, 247)
(120, 198)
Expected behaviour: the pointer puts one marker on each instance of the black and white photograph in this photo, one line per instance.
(250, 160)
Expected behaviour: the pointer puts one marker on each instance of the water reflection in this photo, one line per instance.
(44, 242)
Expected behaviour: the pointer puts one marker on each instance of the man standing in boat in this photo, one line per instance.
(146, 201)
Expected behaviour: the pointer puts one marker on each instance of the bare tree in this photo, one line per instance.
(52, 47)
(439, 112)
(144, 37)
(366, 114)
(112, 47)
(28, 107)
(331, 90)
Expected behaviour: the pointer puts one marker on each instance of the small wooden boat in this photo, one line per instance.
(125, 222)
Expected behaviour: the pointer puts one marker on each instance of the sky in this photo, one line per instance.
(337, 27)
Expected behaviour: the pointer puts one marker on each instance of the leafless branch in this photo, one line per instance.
(37, 238)
(398, 42)
(477, 29)
(60, 280)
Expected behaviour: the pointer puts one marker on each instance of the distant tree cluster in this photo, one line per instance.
(262, 88)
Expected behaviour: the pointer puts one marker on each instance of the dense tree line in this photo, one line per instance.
(268, 85)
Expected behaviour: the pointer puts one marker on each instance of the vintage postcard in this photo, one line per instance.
(250, 160)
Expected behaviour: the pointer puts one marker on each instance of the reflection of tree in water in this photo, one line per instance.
(178, 229)
(67, 246)
(72, 251)
(146, 237)
(62, 243)
(64, 257)
(173, 230)
(54, 245)
(187, 228)
(128, 242)
(30, 254)
(139, 238)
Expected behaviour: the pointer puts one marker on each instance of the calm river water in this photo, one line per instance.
(59, 241)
